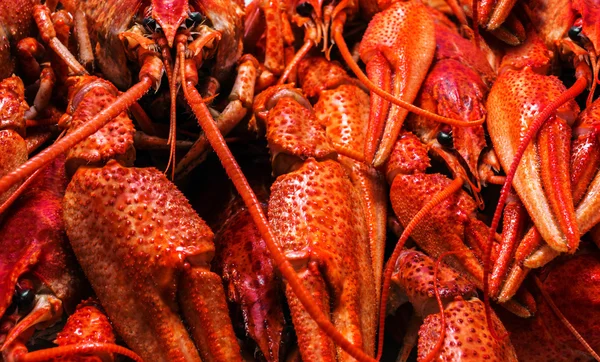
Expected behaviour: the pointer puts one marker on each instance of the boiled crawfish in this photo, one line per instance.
(335, 157)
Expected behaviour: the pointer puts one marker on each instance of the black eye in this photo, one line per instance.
(304, 9)
(574, 32)
(24, 297)
(196, 17)
(149, 23)
(444, 137)
(193, 19)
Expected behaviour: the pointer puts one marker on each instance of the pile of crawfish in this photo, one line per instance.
(404, 180)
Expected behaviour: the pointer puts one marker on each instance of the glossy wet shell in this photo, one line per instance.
(169, 14)
(132, 231)
(414, 274)
(14, 146)
(467, 336)
(13, 105)
(113, 141)
(344, 112)
(87, 325)
(316, 213)
(34, 240)
(251, 280)
(294, 130)
(449, 225)
(515, 100)
(409, 156)
(384, 35)
(317, 74)
(454, 90)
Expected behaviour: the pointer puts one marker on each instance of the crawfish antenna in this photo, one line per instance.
(76, 349)
(454, 186)
(173, 121)
(170, 69)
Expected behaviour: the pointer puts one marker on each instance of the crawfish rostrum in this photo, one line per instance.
(361, 127)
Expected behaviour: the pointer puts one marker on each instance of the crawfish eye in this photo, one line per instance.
(151, 24)
(194, 18)
(24, 297)
(575, 32)
(304, 9)
(444, 137)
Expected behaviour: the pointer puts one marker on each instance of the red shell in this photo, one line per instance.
(170, 14)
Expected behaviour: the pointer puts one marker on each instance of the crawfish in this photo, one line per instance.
(331, 216)
(379, 51)
(342, 109)
(166, 255)
(39, 273)
(457, 87)
(542, 180)
(87, 327)
(574, 37)
(449, 224)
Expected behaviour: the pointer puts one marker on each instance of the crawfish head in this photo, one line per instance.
(36, 262)
(169, 18)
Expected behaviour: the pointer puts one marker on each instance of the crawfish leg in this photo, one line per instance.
(43, 20)
(29, 52)
(241, 98)
(42, 97)
(274, 62)
(86, 52)
(514, 220)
